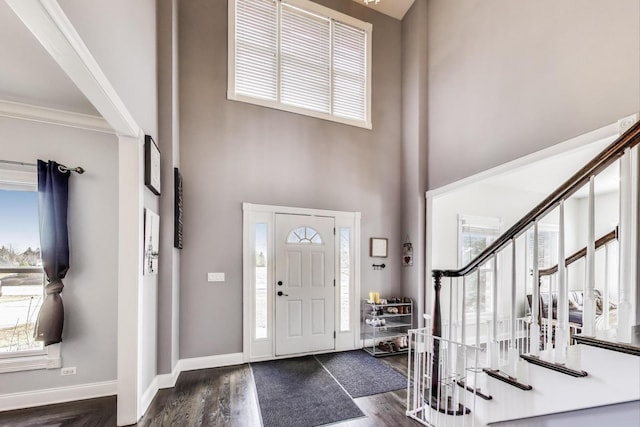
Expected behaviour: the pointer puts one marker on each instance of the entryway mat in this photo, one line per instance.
(300, 393)
(362, 375)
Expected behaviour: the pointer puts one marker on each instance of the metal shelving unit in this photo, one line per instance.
(396, 325)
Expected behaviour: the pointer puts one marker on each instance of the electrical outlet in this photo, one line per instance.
(68, 371)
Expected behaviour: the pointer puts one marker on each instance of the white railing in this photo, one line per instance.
(443, 375)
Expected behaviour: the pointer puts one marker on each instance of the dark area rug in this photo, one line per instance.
(362, 375)
(299, 393)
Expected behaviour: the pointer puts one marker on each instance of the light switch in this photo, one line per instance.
(215, 277)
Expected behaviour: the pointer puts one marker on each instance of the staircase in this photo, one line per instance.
(468, 369)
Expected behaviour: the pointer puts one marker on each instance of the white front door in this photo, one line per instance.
(305, 284)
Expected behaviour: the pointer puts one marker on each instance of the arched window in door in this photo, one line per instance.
(304, 235)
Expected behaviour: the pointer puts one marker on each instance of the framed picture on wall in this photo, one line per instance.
(177, 211)
(151, 165)
(378, 247)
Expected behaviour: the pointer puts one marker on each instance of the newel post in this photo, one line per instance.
(436, 332)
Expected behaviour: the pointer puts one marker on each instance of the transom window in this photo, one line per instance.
(298, 56)
(304, 235)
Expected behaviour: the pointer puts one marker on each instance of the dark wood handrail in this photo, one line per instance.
(613, 152)
(610, 236)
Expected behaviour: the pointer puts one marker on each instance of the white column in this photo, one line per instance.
(534, 331)
(130, 229)
(562, 332)
(625, 255)
(589, 310)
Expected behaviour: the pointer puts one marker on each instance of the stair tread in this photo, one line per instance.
(610, 345)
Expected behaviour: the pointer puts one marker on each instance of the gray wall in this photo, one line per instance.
(90, 293)
(414, 147)
(233, 152)
(507, 78)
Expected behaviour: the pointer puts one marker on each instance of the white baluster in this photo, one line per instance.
(550, 327)
(589, 307)
(605, 297)
(494, 351)
(478, 307)
(534, 331)
(513, 351)
(562, 332)
(625, 256)
(463, 319)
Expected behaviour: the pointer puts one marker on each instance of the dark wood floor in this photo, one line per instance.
(207, 397)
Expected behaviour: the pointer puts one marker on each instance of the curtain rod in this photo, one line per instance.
(62, 168)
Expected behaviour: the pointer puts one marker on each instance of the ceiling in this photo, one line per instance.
(394, 8)
(29, 74)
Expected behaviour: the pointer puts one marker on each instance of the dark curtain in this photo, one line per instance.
(53, 194)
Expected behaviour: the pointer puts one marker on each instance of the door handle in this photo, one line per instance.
(279, 282)
(282, 294)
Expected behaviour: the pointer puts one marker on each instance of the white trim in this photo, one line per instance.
(264, 349)
(51, 396)
(50, 359)
(207, 362)
(49, 24)
(34, 113)
(149, 394)
(130, 230)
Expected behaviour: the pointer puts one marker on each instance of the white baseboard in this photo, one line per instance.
(109, 388)
(50, 396)
(210, 362)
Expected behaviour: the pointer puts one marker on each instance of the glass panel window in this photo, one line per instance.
(261, 295)
(476, 233)
(345, 278)
(304, 235)
(21, 276)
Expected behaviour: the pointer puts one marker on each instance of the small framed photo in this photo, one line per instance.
(151, 165)
(378, 247)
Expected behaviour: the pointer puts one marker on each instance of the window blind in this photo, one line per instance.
(256, 63)
(349, 71)
(289, 55)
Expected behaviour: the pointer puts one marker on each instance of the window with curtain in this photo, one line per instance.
(21, 275)
(297, 56)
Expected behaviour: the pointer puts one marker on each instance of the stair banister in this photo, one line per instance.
(602, 241)
(629, 139)
(609, 155)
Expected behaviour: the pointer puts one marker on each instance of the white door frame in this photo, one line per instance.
(263, 348)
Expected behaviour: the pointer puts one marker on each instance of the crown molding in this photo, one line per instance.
(35, 113)
(49, 24)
